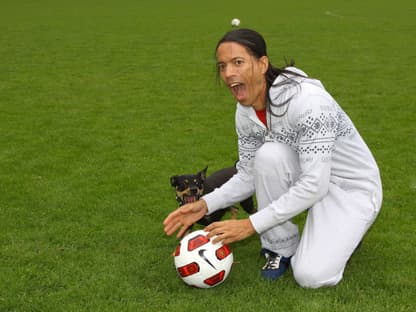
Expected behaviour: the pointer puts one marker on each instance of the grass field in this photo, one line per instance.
(102, 101)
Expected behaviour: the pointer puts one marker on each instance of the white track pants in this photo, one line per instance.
(334, 226)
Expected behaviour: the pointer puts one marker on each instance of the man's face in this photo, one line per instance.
(243, 74)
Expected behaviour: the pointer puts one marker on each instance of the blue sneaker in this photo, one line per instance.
(275, 265)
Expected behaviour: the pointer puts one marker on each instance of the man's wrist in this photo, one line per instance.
(204, 205)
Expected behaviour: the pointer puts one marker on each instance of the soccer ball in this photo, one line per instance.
(200, 263)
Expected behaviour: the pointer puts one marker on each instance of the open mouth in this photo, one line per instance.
(238, 89)
(190, 198)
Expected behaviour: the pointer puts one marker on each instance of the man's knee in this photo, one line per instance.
(275, 154)
(312, 276)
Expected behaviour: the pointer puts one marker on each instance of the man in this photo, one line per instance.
(298, 151)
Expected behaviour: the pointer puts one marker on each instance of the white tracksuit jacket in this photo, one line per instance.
(330, 150)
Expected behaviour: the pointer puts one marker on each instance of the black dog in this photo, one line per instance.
(190, 187)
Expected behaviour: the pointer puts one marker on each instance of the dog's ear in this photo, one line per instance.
(174, 180)
(203, 173)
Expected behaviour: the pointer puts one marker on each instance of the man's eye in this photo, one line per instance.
(239, 62)
(221, 67)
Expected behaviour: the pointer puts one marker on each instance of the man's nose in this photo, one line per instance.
(229, 71)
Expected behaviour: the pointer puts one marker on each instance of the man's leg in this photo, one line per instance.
(276, 168)
(333, 229)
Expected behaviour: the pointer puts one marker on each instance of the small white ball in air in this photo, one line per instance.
(235, 22)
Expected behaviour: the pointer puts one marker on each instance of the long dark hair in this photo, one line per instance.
(256, 46)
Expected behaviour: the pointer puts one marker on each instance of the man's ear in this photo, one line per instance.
(264, 63)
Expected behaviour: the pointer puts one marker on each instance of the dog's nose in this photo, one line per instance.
(193, 189)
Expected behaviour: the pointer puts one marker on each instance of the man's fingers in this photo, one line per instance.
(169, 218)
(219, 238)
(177, 214)
(171, 227)
(183, 217)
(215, 228)
(216, 231)
(211, 227)
(182, 231)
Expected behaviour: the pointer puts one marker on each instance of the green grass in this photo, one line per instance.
(102, 101)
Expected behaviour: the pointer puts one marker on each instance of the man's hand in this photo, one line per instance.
(184, 217)
(230, 230)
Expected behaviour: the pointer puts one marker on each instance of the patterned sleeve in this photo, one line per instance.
(248, 143)
(316, 127)
(241, 185)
